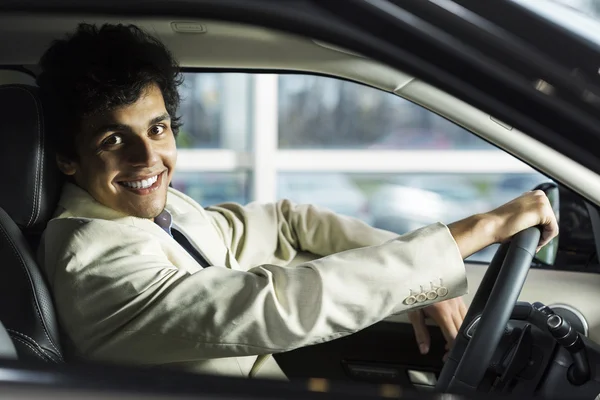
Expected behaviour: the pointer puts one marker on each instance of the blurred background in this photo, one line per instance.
(338, 144)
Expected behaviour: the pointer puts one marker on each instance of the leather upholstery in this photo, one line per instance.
(7, 348)
(29, 199)
(28, 170)
(26, 308)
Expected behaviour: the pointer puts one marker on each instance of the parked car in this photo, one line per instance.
(514, 185)
(401, 209)
(330, 190)
(460, 196)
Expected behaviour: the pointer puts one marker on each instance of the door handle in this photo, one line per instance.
(421, 378)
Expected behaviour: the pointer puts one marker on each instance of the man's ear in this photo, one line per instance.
(66, 166)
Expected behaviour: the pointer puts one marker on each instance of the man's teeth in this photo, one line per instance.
(143, 184)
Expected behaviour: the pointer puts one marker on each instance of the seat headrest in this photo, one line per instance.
(32, 180)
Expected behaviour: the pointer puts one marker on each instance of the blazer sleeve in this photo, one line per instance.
(120, 298)
(275, 232)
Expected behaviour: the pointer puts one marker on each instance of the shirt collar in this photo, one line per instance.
(164, 220)
(76, 202)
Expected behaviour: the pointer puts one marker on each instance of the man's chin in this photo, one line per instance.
(148, 207)
(144, 211)
(149, 214)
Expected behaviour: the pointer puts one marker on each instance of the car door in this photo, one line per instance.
(387, 349)
(403, 198)
(324, 124)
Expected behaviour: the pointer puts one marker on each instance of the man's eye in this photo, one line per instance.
(112, 140)
(157, 130)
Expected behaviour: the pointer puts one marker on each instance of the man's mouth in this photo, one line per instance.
(143, 186)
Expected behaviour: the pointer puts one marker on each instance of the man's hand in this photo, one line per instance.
(530, 209)
(479, 231)
(448, 315)
(475, 233)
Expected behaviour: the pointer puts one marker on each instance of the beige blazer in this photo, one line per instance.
(127, 292)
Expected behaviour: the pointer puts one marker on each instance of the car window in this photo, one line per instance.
(350, 148)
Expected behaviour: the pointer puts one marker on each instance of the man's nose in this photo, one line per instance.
(142, 153)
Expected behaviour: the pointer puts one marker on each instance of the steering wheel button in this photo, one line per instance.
(421, 297)
(432, 295)
(442, 291)
(410, 300)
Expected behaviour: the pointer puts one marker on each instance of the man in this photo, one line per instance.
(142, 274)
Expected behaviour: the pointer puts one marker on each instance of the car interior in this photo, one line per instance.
(383, 353)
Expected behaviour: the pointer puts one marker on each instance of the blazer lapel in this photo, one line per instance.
(190, 220)
(202, 234)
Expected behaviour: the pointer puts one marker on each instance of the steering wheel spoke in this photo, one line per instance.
(493, 304)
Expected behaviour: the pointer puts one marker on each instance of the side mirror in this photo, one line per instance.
(547, 254)
(577, 246)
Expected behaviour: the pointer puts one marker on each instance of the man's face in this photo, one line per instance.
(126, 157)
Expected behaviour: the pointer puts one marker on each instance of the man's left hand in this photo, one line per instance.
(448, 315)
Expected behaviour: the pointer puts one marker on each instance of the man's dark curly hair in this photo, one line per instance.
(96, 70)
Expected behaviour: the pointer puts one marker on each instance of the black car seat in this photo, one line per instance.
(7, 347)
(27, 200)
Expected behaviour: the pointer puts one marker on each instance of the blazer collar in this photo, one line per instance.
(78, 203)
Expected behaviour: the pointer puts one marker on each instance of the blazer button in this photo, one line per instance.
(442, 291)
(421, 297)
(432, 295)
(410, 300)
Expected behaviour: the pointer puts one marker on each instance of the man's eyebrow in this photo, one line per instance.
(109, 128)
(121, 127)
(162, 117)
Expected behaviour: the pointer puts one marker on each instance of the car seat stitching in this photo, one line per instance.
(32, 340)
(14, 249)
(31, 347)
(39, 170)
(37, 155)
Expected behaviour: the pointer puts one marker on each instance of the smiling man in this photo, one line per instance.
(123, 169)
(142, 274)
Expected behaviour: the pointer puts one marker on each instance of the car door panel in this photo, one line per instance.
(382, 353)
(387, 352)
(578, 290)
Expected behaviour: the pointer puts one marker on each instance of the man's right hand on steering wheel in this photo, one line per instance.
(475, 233)
(497, 226)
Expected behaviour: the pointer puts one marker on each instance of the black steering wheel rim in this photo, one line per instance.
(494, 301)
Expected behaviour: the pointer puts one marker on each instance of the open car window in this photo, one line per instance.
(351, 148)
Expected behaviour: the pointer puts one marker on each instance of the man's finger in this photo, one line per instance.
(549, 231)
(448, 327)
(458, 320)
(417, 319)
(463, 310)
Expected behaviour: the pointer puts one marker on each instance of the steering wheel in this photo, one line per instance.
(494, 301)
